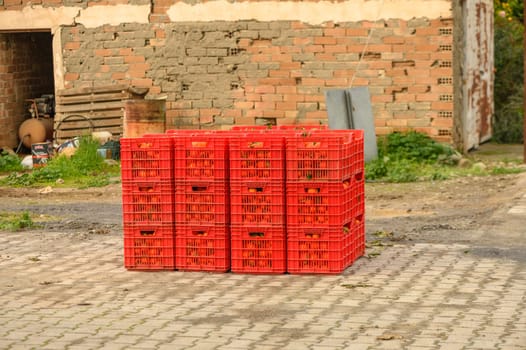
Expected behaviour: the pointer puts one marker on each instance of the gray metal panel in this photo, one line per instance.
(362, 118)
(338, 113)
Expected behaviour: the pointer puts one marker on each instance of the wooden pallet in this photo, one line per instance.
(81, 111)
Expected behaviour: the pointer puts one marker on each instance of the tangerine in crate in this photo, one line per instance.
(201, 157)
(203, 248)
(257, 156)
(257, 203)
(202, 202)
(317, 250)
(149, 247)
(258, 249)
(148, 203)
(324, 155)
(146, 159)
(322, 203)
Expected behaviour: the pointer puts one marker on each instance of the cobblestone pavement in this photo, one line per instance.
(61, 292)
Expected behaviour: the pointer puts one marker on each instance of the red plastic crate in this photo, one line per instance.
(323, 203)
(331, 155)
(201, 157)
(146, 159)
(202, 202)
(249, 128)
(301, 127)
(148, 203)
(359, 240)
(257, 203)
(258, 249)
(257, 156)
(149, 247)
(203, 248)
(328, 250)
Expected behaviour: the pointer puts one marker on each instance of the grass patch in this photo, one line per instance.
(15, 221)
(86, 168)
(413, 156)
(9, 162)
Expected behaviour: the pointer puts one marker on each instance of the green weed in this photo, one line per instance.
(15, 221)
(85, 168)
(409, 157)
(9, 162)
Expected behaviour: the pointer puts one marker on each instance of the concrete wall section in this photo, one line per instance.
(36, 18)
(39, 17)
(312, 12)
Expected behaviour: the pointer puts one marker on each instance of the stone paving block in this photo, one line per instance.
(390, 345)
(265, 347)
(179, 343)
(203, 345)
(425, 342)
(237, 344)
(451, 346)
(56, 345)
(253, 335)
(152, 316)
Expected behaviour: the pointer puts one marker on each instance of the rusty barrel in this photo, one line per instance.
(144, 117)
(35, 130)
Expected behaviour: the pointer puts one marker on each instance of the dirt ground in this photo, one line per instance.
(459, 210)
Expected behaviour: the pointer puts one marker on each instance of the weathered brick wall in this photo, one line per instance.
(22, 77)
(217, 74)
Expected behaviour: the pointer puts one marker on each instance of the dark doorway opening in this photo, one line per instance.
(26, 72)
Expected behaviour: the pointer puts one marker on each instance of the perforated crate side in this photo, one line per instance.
(257, 203)
(203, 248)
(257, 156)
(301, 127)
(149, 247)
(359, 241)
(249, 128)
(202, 202)
(324, 155)
(146, 159)
(258, 250)
(319, 250)
(201, 157)
(148, 203)
(323, 203)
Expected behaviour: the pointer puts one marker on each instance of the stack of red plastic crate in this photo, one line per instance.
(202, 216)
(257, 180)
(325, 200)
(250, 200)
(148, 203)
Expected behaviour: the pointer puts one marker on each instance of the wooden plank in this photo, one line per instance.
(92, 98)
(80, 124)
(103, 105)
(62, 136)
(82, 129)
(111, 113)
(87, 107)
(90, 90)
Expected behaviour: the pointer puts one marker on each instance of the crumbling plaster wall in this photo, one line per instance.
(220, 63)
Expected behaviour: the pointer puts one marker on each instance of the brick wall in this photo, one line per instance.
(26, 71)
(218, 74)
